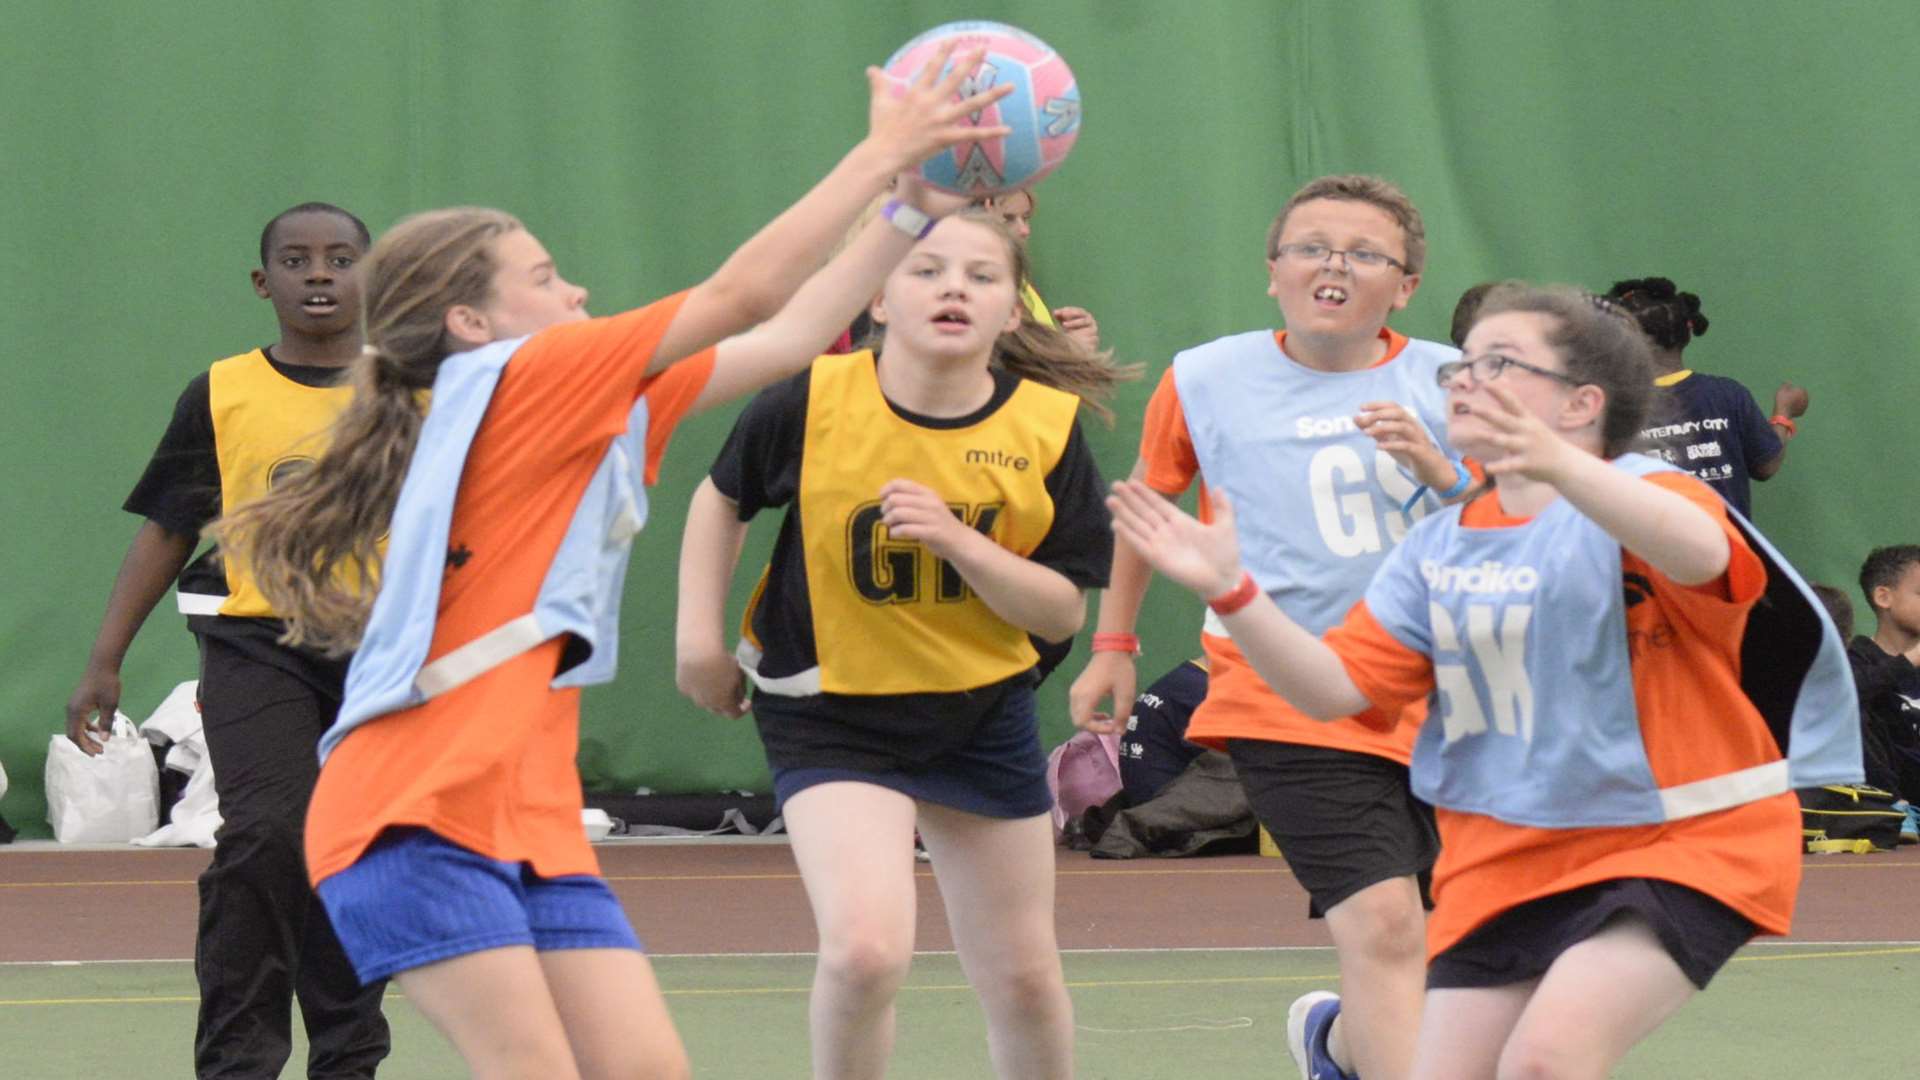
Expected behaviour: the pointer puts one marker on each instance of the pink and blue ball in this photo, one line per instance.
(1043, 110)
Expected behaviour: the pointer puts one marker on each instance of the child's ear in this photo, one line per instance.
(877, 311)
(1882, 599)
(1586, 406)
(468, 324)
(260, 285)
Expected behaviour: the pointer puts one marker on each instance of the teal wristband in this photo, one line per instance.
(1462, 480)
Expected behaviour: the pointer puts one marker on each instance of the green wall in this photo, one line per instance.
(1762, 153)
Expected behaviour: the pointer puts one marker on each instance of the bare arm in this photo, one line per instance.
(1110, 675)
(1206, 558)
(1789, 401)
(906, 126)
(704, 669)
(1035, 598)
(153, 560)
(821, 309)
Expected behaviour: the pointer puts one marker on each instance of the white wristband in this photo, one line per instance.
(907, 219)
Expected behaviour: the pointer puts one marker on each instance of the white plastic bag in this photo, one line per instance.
(195, 818)
(105, 799)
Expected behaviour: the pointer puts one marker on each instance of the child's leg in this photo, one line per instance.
(1379, 936)
(1462, 1031)
(1597, 1001)
(495, 1008)
(854, 844)
(997, 877)
(615, 1017)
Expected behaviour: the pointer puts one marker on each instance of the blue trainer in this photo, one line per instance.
(1308, 1022)
(1910, 828)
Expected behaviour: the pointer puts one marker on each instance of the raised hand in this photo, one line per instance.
(1790, 400)
(1078, 323)
(1204, 558)
(1404, 438)
(1528, 447)
(920, 118)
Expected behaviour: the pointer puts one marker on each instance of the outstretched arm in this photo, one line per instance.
(906, 125)
(823, 307)
(1206, 558)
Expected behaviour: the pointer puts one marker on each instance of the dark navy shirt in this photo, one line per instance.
(1711, 426)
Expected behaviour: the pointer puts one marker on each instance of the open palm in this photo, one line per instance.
(1204, 558)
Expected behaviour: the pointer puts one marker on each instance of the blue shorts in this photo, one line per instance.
(413, 898)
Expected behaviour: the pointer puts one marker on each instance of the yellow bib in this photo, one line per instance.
(888, 616)
(266, 428)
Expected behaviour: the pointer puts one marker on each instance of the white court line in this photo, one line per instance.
(1064, 952)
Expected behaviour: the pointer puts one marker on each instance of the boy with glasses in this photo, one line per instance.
(1326, 438)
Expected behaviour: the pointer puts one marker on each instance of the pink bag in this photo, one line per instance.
(1082, 772)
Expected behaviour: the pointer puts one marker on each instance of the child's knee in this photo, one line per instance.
(866, 960)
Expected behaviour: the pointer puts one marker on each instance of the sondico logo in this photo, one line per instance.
(1314, 427)
(998, 457)
(1488, 577)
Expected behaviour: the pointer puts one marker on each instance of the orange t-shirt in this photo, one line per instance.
(1239, 704)
(1695, 722)
(490, 764)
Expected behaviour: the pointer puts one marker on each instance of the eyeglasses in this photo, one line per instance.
(1359, 259)
(1487, 368)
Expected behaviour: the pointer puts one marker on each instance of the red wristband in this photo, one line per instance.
(1785, 421)
(1126, 643)
(1237, 597)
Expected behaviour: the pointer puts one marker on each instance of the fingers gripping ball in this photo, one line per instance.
(1043, 110)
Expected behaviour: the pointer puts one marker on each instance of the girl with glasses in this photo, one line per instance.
(1615, 737)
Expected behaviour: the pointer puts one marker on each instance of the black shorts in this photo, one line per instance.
(1699, 932)
(989, 763)
(1343, 820)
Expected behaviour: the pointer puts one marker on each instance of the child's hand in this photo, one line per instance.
(1790, 401)
(1078, 324)
(926, 198)
(1204, 558)
(1405, 439)
(712, 680)
(918, 120)
(1529, 448)
(916, 512)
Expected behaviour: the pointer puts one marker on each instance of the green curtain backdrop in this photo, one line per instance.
(1762, 153)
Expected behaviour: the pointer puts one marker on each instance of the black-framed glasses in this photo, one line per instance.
(1358, 258)
(1489, 367)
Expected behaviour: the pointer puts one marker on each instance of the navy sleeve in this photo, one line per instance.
(760, 464)
(180, 490)
(1080, 543)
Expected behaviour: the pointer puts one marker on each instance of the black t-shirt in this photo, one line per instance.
(1889, 688)
(1714, 429)
(180, 492)
(759, 467)
(1154, 748)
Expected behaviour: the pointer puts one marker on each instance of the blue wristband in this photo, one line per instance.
(1462, 480)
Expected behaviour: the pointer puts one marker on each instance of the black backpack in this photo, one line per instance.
(1850, 818)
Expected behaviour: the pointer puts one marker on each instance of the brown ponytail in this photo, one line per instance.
(313, 545)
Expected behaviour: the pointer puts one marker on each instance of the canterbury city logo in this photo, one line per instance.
(999, 458)
(1488, 577)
